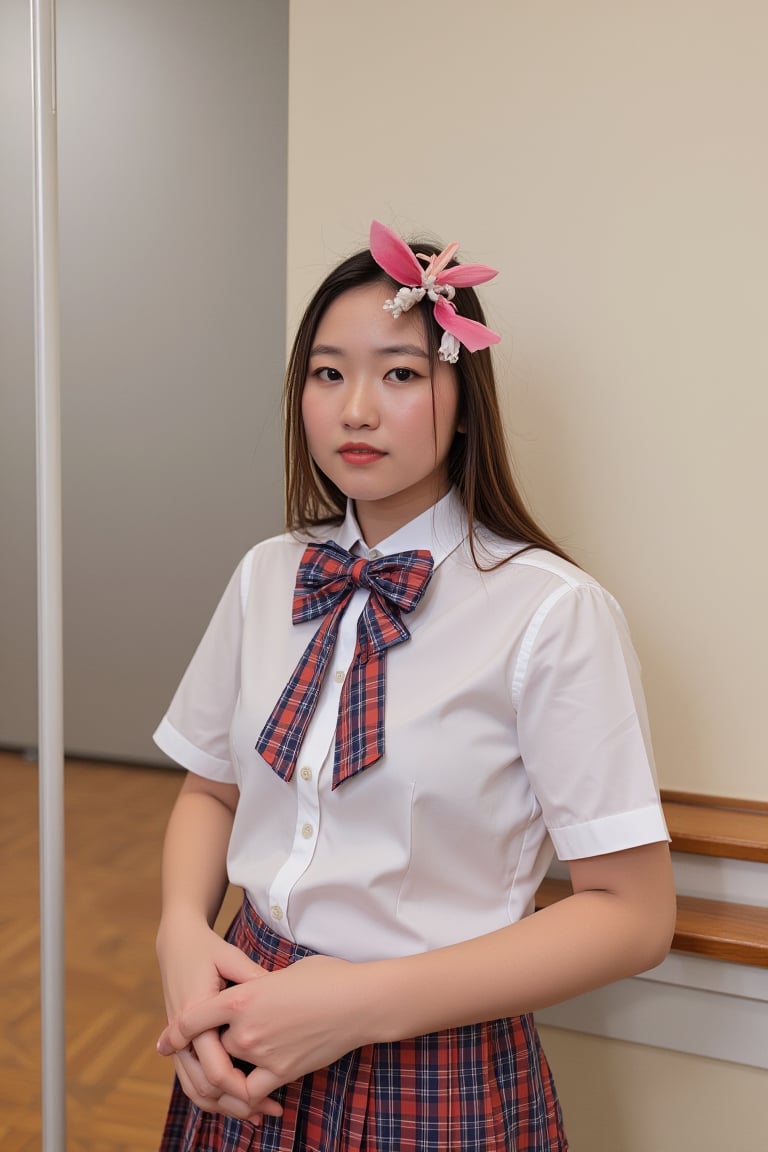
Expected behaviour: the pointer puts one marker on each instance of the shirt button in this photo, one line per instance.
(306, 773)
(277, 912)
(307, 831)
(338, 677)
(374, 554)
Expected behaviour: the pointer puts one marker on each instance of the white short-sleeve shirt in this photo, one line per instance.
(514, 723)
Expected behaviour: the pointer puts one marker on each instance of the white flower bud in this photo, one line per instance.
(449, 349)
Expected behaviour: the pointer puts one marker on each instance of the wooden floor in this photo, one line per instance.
(117, 1086)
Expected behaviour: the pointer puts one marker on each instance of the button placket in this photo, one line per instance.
(315, 757)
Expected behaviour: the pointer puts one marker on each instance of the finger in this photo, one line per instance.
(180, 1068)
(183, 1064)
(202, 1017)
(259, 1084)
(210, 1084)
(217, 1067)
(225, 1103)
(234, 965)
(194, 1081)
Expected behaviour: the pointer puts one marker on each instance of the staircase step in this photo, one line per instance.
(712, 826)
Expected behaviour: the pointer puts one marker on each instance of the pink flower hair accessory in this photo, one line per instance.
(439, 283)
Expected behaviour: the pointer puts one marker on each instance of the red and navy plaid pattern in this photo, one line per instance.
(482, 1088)
(326, 581)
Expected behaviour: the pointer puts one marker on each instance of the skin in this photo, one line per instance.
(369, 384)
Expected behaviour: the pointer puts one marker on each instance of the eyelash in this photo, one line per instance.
(411, 375)
(322, 374)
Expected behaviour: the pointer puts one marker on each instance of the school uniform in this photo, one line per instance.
(514, 725)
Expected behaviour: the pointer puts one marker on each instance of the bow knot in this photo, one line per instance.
(326, 581)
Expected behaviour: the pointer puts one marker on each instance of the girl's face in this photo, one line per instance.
(368, 410)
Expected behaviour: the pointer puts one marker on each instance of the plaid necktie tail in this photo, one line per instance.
(360, 728)
(283, 734)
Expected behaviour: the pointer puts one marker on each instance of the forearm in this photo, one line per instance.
(559, 953)
(194, 872)
(195, 962)
(305, 1016)
(590, 939)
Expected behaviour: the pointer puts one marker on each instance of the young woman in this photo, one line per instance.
(400, 706)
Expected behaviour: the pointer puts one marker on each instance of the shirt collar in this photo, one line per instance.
(439, 530)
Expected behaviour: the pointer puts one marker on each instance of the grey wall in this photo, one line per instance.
(172, 143)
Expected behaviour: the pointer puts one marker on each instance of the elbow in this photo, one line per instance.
(656, 953)
(658, 931)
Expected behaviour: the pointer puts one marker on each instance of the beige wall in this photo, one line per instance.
(620, 1097)
(610, 159)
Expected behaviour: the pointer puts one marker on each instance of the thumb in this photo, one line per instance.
(235, 967)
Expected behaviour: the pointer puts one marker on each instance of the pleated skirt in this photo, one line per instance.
(481, 1088)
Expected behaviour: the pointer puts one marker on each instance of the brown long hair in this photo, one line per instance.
(478, 464)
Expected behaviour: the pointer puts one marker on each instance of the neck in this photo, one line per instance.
(379, 519)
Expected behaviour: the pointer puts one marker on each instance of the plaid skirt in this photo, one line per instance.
(480, 1088)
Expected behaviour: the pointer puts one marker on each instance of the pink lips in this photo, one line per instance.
(354, 453)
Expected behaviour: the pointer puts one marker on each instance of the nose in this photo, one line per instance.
(360, 409)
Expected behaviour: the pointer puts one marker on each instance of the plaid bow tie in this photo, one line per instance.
(325, 583)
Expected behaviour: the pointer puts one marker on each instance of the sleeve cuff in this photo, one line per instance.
(610, 834)
(171, 741)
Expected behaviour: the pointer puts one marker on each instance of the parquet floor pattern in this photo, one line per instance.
(117, 1086)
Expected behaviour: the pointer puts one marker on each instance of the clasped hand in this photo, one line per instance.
(285, 1023)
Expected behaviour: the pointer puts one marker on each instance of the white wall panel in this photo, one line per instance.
(172, 141)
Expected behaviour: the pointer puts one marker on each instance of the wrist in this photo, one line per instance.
(180, 920)
(421, 993)
(377, 1002)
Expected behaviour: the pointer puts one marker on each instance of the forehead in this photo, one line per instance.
(357, 318)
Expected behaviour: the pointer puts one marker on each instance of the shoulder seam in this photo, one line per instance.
(245, 578)
(529, 639)
(548, 566)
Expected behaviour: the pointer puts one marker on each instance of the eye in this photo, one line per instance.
(401, 375)
(329, 375)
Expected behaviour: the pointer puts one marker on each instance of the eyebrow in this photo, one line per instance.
(390, 350)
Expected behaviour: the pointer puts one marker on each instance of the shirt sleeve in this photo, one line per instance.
(583, 727)
(195, 730)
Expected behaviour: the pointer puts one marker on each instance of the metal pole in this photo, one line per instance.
(49, 597)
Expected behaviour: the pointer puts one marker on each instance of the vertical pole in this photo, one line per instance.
(49, 596)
